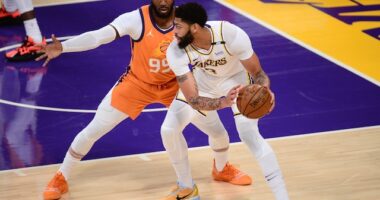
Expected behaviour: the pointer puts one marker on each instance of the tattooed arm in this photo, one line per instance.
(190, 90)
(179, 62)
(252, 65)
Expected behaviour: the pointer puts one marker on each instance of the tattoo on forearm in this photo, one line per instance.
(261, 78)
(204, 103)
(181, 78)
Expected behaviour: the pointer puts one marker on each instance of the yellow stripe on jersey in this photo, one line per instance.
(212, 46)
(221, 36)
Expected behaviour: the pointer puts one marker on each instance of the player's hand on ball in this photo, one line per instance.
(272, 100)
(255, 101)
(231, 96)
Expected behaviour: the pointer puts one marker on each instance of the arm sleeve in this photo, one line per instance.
(89, 40)
(177, 59)
(126, 24)
(237, 41)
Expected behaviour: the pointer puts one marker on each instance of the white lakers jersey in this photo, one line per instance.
(217, 61)
(223, 57)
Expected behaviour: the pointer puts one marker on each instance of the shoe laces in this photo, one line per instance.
(230, 170)
(56, 180)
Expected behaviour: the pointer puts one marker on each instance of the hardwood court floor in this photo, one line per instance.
(341, 165)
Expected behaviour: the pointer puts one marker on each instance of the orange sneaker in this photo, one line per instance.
(178, 193)
(56, 187)
(231, 175)
(27, 51)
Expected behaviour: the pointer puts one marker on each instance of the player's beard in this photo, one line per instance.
(156, 11)
(185, 40)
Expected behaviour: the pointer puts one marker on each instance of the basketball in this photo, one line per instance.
(254, 101)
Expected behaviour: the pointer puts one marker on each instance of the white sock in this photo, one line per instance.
(33, 30)
(10, 5)
(24, 5)
(273, 175)
(221, 159)
(184, 173)
(68, 164)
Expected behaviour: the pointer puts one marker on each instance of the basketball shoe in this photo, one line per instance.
(27, 51)
(56, 187)
(9, 18)
(179, 193)
(231, 175)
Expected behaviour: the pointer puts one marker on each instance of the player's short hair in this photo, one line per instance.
(191, 13)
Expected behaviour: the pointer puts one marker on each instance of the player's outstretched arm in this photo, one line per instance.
(190, 90)
(83, 42)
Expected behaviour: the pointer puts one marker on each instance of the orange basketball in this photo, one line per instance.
(254, 101)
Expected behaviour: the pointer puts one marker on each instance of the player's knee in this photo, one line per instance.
(249, 133)
(220, 142)
(216, 130)
(247, 129)
(167, 134)
(96, 129)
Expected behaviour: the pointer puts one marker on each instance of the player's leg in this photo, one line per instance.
(218, 137)
(106, 118)
(249, 133)
(28, 15)
(219, 143)
(9, 5)
(177, 118)
(28, 50)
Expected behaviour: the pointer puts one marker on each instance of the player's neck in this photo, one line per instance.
(203, 39)
(164, 23)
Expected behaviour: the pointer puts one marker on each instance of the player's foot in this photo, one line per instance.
(9, 18)
(27, 51)
(56, 187)
(179, 193)
(231, 175)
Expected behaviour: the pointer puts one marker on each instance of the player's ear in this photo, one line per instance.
(194, 28)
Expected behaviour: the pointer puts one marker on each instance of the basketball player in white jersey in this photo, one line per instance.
(222, 58)
(151, 31)
(14, 11)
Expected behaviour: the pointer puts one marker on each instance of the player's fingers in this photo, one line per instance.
(41, 57)
(272, 107)
(233, 97)
(272, 97)
(41, 51)
(42, 48)
(54, 38)
(46, 62)
(235, 88)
